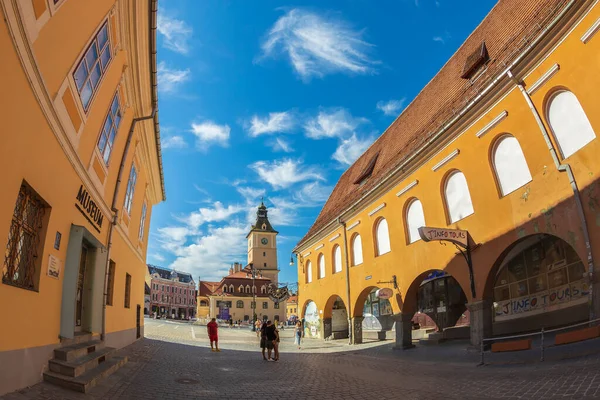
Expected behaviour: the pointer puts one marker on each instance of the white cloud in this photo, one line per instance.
(391, 107)
(207, 214)
(276, 122)
(209, 133)
(312, 194)
(283, 173)
(334, 123)
(280, 144)
(317, 46)
(169, 80)
(250, 194)
(158, 257)
(176, 33)
(350, 149)
(439, 39)
(172, 142)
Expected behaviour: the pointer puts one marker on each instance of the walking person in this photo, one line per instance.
(298, 334)
(258, 326)
(213, 334)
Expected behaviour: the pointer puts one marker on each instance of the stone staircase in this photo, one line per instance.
(80, 363)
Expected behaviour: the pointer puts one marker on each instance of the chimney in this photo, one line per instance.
(238, 267)
(230, 270)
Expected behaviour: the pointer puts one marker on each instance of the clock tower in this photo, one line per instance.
(262, 245)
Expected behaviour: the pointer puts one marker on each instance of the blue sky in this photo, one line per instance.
(268, 98)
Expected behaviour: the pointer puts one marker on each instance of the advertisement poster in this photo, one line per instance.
(312, 322)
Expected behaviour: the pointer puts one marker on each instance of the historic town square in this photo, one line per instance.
(315, 200)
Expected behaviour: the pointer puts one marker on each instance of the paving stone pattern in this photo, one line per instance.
(171, 364)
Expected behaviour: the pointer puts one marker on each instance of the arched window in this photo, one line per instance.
(357, 257)
(240, 304)
(241, 289)
(247, 288)
(414, 220)
(308, 272)
(569, 123)
(382, 237)
(263, 289)
(321, 264)
(231, 289)
(225, 289)
(458, 198)
(337, 259)
(510, 165)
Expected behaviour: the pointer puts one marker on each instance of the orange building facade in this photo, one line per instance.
(81, 170)
(503, 144)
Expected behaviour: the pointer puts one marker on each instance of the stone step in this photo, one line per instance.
(69, 353)
(433, 339)
(83, 383)
(80, 337)
(81, 364)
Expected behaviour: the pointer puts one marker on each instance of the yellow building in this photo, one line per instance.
(244, 292)
(81, 169)
(291, 308)
(502, 143)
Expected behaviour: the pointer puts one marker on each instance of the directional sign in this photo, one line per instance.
(457, 236)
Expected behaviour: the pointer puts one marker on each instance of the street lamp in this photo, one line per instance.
(292, 261)
(253, 305)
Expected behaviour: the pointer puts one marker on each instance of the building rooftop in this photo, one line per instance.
(506, 30)
(166, 273)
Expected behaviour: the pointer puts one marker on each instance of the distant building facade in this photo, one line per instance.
(172, 293)
(232, 296)
(291, 308)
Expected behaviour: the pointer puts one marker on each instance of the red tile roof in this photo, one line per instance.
(503, 30)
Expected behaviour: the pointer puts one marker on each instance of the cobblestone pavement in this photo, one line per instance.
(171, 363)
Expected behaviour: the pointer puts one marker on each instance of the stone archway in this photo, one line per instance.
(372, 317)
(538, 281)
(311, 319)
(335, 318)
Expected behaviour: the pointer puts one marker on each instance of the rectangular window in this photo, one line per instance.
(21, 265)
(110, 284)
(109, 129)
(143, 222)
(130, 189)
(276, 306)
(265, 305)
(127, 290)
(92, 66)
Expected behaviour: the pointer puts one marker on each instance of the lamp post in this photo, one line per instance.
(253, 305)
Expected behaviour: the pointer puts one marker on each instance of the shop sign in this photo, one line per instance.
(278, 295)
(384, 293)
(54, 267)
(457, 236)
(89, 208)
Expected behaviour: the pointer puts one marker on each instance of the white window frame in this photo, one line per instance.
(382, 242)
(453, 217)
(337, 259)
(357, 252)
(321, 265)
(130, 189)
(414, 221)
(506, 177)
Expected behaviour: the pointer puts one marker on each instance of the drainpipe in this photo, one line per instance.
(115, 211)
(348, 307)
(564, 167)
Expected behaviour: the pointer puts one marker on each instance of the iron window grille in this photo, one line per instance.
(21, 255)
(109, 129)
(127, 290)
(130, 189)
(92, 66)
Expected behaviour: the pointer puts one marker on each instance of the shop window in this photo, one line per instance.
(308, 272)
(142, 222)
(415, 219)
(321, 265)
(357, 253)
(25, 240)
(92, 66)
(109, 130)
(510, 165)
(127, 290)
(569, 123)
(337, 259)
(458, 198)
(239, 304)
(130, 189)
(110, 286)
(382, 237)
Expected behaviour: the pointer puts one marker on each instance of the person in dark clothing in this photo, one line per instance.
(263, 340)
(271, 338)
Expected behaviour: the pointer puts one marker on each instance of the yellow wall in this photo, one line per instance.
(497, 221)
(35, 148)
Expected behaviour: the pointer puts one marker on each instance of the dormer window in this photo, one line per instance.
(264, 227)
(475, 61)
(366, 173)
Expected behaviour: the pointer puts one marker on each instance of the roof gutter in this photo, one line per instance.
(154, 90)
(448, 125)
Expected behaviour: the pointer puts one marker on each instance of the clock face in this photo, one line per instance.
(264, 240)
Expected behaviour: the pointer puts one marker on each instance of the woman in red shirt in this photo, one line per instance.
(213, 334)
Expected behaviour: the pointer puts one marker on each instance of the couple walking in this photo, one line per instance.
(269, 341)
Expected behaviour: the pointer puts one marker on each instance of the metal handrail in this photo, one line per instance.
(532, 334)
